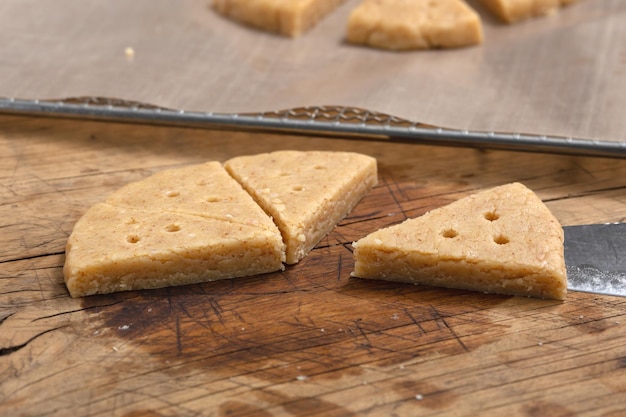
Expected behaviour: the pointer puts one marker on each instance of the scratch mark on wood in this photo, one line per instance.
(339, 267)
(27, 258)
(217, 309)
(11, 349)
(179, 345)
(5, 315)
(414, 321)
(456, 337)
(357, 324)
(42, 379)
(236, 314)
(348, 247)
(86, 308)
(395, 200)
(182, 307)
(363, 218)
(450, 328)
(62, 313)
(586, 193)
(20, 291)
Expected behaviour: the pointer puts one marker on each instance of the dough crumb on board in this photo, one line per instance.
(286, 17)
(503, 240)
(414, 24)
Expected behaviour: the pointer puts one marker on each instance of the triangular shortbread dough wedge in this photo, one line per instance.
(503, 240)
(119, 249)
(177, 227)
(414, 24)
(205, 190)
(306, 193)
(512, 11)
(286, 17)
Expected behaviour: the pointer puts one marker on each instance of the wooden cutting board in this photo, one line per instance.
(306, 341)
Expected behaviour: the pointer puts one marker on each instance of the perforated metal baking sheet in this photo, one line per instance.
(348, 122)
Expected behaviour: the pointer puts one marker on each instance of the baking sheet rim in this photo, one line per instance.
(336, 121)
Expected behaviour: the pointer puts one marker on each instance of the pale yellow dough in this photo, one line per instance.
(512, 11)
(197, 223)
(179, 226)
(414, 24)
(502, 240)
(286, 17)
(306, 193)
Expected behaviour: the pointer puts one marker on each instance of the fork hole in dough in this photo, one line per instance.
(213, 199)
(132, 238)
(501, 240)
(172, 228)
(492, 216)
(172, 193)
(297, 188)
(449, 233)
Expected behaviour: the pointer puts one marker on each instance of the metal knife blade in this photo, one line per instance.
(595, 258)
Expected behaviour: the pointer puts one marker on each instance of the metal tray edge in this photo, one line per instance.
(334, 121)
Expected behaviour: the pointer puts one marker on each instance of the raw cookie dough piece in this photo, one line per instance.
(205, 190)
(503, 240)
(180, 226)
(120, 249)
(414, 24)
(306, 193)
(512, 11)
(286, 17)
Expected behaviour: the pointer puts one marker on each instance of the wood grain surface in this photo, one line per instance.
(306, 341)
